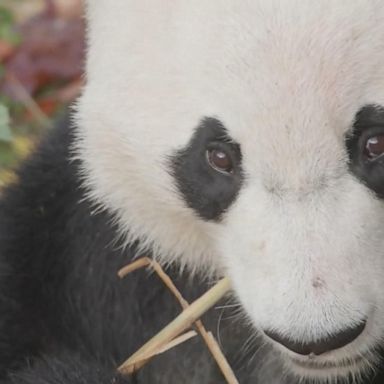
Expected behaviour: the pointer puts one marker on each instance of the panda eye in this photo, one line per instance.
(365, 147)
(220, 160)
(374, 147)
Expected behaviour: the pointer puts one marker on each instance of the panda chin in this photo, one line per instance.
(326, 371)
(330, 368)
(351, 363)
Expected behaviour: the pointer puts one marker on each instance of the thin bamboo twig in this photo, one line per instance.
(177, 341)
(177, 326)
(169, 284)
(139, 263)
(208, 337)
(174, 343)
(225, 368)
(217, 354)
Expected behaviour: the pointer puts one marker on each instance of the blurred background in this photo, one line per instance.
(41, 65)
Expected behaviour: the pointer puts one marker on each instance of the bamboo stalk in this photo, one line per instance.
(140, 263)
(177, 326)
(177, 341)
(169, 284)
(221, 361)
(208, 337)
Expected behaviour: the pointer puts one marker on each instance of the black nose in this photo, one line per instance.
(321, 346)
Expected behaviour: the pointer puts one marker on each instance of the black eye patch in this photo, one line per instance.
(365, 146)
(208, 191)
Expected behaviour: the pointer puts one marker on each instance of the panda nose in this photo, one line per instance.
(319, 347)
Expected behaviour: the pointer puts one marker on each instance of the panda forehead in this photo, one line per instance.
(276, 68)
(260, 53)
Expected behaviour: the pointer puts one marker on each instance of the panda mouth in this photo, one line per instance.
(339, 355)
(325, 370)
(324, 365)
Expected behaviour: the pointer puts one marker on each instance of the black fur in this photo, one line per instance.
(67, 368)
(63, 310)
(208, 192)
(65, 317)
(369, 122)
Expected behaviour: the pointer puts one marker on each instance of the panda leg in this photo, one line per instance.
(68, 368)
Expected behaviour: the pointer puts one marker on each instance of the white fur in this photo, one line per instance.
(303, 243)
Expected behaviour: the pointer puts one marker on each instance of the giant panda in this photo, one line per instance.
(221, 138)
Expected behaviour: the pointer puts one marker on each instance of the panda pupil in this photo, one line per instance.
(220, 160)
(375, 146)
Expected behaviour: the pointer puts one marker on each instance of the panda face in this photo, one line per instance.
(246, 138)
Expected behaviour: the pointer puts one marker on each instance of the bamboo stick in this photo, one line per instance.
(139, 263)
(208, 337)
(177, 326)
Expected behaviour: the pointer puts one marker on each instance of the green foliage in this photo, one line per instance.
(7, 156)
(20, 125)
(6, 17)
(5, 130)
(7, 30)
(6, 153)
(2, 71)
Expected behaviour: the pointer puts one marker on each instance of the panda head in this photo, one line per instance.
(247, 138)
